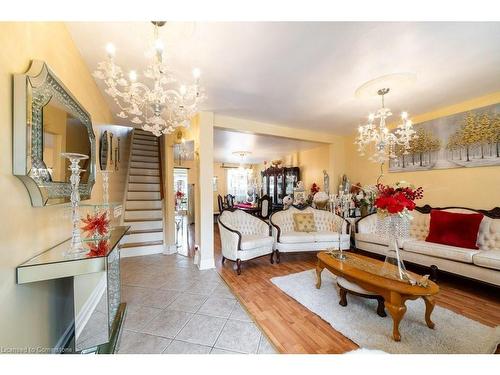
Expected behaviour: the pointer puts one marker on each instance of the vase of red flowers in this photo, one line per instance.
(179, 195)
(314, 189)
(394, 205)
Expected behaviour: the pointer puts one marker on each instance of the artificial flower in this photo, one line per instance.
(99, 249)
(98, 223)
(397, 199)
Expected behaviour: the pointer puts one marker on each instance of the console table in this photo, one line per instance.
(97, 322)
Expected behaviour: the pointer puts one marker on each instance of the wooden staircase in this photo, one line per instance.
(143, 205)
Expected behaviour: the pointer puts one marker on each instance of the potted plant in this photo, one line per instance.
(314, 189)
(364, 198)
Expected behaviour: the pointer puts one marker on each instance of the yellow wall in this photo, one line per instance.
(468, 187)
(221, 175)
(312, 163)
(36, 314)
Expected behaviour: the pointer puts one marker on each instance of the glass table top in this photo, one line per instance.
(96, 249)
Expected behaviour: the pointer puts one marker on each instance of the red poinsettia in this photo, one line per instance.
(398, 198)
(98, 223)
(99, 249)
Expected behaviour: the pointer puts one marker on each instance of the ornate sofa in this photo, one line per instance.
(332, 230)
(243, 237)
(482, 264)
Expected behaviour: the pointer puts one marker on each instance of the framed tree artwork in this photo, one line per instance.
(463, 140)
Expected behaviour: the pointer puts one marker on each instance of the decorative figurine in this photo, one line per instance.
(287, 202)
(326, 182)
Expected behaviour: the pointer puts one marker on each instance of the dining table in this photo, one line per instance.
(248, 207)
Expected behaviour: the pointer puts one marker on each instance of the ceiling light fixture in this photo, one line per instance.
(385, 141)
(160, 104)
(242, 155)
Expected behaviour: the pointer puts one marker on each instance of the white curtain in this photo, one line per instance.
(237, 183)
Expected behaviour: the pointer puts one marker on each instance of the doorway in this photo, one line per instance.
(184, 211)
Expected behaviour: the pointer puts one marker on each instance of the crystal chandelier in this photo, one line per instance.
(160, 104)
(386, 143)
(242, 155)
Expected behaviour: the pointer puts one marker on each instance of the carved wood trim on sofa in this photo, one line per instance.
(494, 213)
(231, 230)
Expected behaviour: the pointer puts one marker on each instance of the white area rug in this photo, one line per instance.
(359, 322)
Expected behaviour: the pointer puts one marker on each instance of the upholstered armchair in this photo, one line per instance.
(332, 231)
(243, 237)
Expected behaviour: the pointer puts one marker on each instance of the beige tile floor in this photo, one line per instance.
(174, 308)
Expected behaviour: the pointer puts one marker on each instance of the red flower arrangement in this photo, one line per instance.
(314, 189)
(179, 195)
(99, 249)
(397, 199)
(98, 224)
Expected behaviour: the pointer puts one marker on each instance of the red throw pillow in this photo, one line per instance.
(454, 229)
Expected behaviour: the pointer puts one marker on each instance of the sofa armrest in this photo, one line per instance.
(260, 226)
(276, 230)
(230, 240)
(345, 228)
(367, 224)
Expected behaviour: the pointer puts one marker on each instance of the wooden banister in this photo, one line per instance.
(160, 153)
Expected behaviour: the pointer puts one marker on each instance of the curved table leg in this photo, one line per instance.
(429, 306)
(380, 307)
(319, 269)
(397, 312)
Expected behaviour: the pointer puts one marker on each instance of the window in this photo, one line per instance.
(237, 183)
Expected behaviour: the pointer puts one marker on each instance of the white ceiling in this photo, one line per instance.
(304, 74)
(262, 147)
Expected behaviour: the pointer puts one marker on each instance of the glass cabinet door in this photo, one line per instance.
(272, 187)
(279, 188)
(290, 182)
(265, 179)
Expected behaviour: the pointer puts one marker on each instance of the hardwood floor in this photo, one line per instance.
(292, 328)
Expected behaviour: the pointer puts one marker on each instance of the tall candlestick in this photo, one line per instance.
(76, 247)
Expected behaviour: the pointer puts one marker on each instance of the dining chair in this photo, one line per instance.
(230, 201)
(220, 203)
(265, 207)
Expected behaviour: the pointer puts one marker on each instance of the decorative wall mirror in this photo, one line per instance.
(48, 120)
(103, 150)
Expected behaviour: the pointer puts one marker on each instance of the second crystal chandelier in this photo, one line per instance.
(387, 144)
(158, 107)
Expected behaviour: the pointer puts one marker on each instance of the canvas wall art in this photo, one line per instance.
(463, 140)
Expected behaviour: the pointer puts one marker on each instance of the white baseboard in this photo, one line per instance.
(206, 263)
(90, 305)
(141, 250)
(170, 249)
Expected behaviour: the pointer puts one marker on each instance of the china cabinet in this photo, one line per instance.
(279, 182)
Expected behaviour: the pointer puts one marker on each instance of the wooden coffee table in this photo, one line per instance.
(367, 273)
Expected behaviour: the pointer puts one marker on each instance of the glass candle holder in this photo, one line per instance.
(76, 247)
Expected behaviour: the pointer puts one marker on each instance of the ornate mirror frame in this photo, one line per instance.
(103, 150)
(32, 91)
